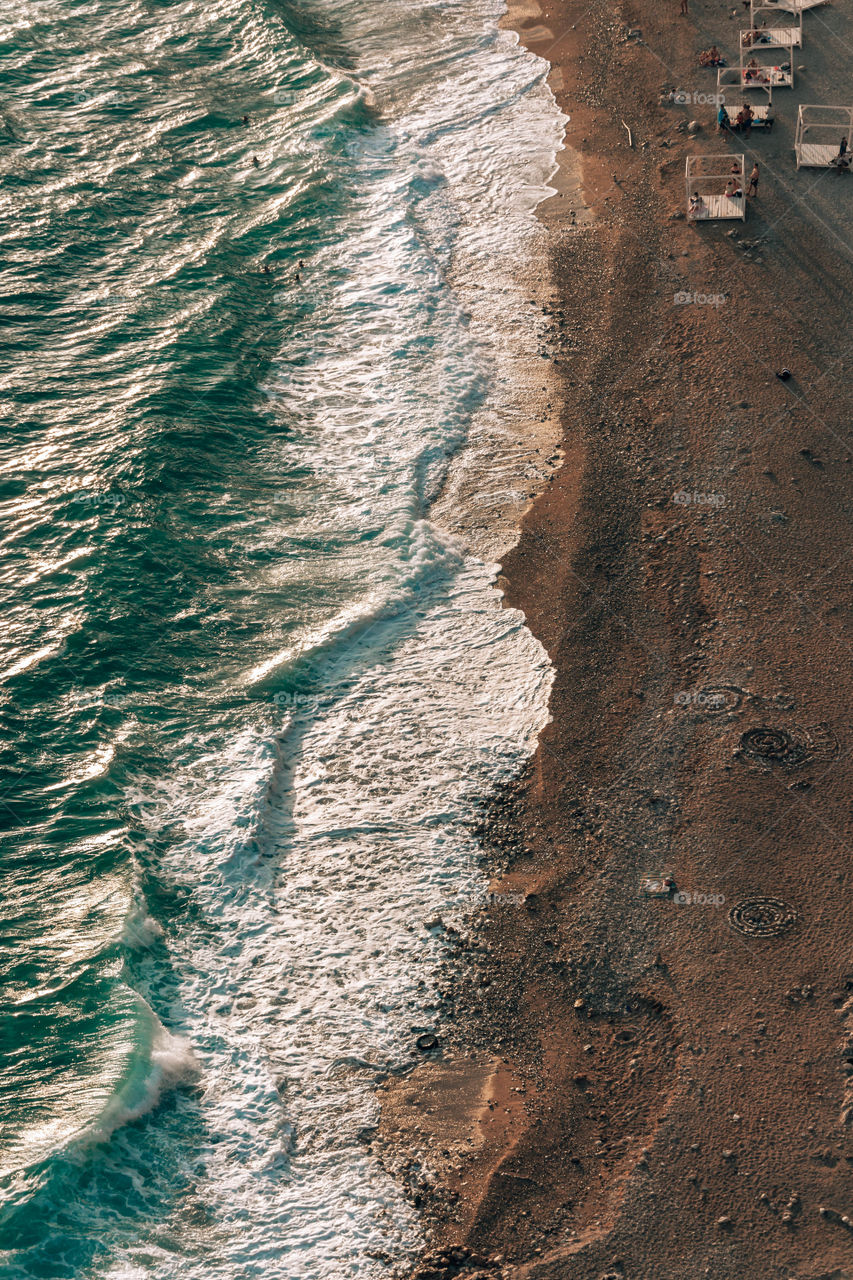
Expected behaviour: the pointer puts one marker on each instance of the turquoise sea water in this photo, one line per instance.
(249, 692)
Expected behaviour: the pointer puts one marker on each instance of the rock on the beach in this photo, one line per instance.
(694, 127)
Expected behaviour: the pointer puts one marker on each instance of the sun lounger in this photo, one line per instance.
(817, 142)
(763, 115)
(706, 176)
(773, 38)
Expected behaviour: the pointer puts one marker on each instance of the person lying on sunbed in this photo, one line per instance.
(697, 206)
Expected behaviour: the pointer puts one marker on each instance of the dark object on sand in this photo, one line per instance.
(426, 1042)
(784, 375)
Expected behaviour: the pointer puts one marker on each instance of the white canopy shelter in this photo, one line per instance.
(766, 67)
(820, 131)
(707, 179)
(799, 6)
(771, 28)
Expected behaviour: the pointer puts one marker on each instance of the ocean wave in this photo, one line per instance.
(161, 1061)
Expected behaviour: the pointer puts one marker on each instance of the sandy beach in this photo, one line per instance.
(629, 1085)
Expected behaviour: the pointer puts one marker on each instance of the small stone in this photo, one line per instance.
(694, 127)
(725, 1223)
(580, 1004)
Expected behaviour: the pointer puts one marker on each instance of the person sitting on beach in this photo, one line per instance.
(743, 122)
(735, 168)
(748, 38)
(710, 57)
(844, 157)
(697, 205)
(734, 189)
(723, 121)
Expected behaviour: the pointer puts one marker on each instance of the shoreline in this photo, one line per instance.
(638, 1086)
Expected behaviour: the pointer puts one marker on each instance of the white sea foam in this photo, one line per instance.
(312, 861)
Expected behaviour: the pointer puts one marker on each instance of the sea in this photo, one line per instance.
(268, 278)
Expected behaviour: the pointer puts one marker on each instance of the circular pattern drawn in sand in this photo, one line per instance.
(719, 698)
(762, 917)
(773, 746)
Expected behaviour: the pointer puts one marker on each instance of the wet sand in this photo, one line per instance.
(662, 1087)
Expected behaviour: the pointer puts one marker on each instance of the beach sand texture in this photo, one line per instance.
(642, 1086)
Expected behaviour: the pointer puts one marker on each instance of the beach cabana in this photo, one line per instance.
(772, 28)
(766, 67)
(706, 179)
(817, 143)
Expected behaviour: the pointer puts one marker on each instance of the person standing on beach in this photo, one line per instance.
(752, 189)
(684, 8)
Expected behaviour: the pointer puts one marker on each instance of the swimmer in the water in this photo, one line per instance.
(256, 162)
(245, 119)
